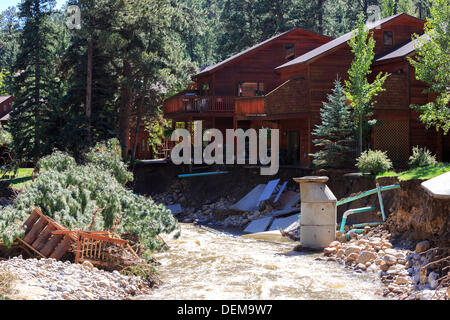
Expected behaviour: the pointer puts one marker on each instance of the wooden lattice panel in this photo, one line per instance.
(393, 137)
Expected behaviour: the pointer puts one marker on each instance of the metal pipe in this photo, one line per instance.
(201, 174)
(366, 194)
(380, 199)
(353, 211)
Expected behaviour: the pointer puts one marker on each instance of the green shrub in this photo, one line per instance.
(74, 194)
(373, 162)
(421, 157)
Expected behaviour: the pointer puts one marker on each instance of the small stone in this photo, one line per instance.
(386, 245)
(351, 257)
(366, 256)
(116, 273)
(361, 266)
(335, 244)
(88, 265)
(340, 253)
(389, 259)
(384, 266)
(329, 251)
(352, 249)
(390, 251)
(422, 246)
(402, 280)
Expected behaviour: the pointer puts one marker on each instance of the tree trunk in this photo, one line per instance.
(37, 81)
(124, 121)
(360, 134)
(138, 125)
(89, 90)
(320, 4)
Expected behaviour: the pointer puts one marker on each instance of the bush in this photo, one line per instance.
(421, 157)
(373, 162)
(76, 195)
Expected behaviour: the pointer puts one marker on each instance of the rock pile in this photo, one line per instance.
(56, 280)
(401, 270)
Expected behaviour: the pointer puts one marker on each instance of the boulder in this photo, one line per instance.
(352, 257)
(352, 249)
(335, 244)
(366, 256)
(384, 266)
(422, 246)
(329, 251)
(390, 259)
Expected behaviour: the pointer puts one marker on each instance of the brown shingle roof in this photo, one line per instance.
(4, 98)
(334, 43)
(403, 50)
(259, 45)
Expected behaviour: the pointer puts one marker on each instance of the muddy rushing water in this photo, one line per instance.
(206, 264)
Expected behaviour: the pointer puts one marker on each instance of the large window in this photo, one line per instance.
(388, 38)
(289, 51)
(250, 89)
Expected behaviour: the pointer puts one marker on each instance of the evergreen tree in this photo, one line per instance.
(336, 132)
(36, 86)
(9, 44)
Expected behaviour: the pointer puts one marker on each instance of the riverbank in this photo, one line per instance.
(48, 279)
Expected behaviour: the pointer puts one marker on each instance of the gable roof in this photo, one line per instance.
(323, 49)
(403, 50)
(4, 98)
(255, 47)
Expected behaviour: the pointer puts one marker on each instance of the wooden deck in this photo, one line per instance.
(199, 104)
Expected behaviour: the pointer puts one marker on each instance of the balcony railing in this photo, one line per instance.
(250, 106)
(199, 104)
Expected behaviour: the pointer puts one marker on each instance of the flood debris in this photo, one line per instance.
(45, 238)
(175, 209)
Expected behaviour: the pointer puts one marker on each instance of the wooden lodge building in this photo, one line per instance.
(282, 82)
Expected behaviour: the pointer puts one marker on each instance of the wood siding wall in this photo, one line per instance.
(291, 97)
(259, 66)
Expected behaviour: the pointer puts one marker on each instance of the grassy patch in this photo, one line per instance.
(22, 178)
(423, 173)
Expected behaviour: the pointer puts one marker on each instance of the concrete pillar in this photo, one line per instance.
(318, 212)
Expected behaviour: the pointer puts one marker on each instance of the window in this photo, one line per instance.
(388, 38)
(143, 145)
(289, 51)
(250, 89)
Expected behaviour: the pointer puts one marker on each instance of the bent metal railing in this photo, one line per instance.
(377, 191)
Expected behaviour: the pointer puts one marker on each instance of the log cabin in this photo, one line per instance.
(253, 90)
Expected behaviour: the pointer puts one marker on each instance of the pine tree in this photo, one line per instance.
(35, 85)
(336, 131)
(9, 37)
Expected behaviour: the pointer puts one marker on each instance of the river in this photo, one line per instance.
(207, 264)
